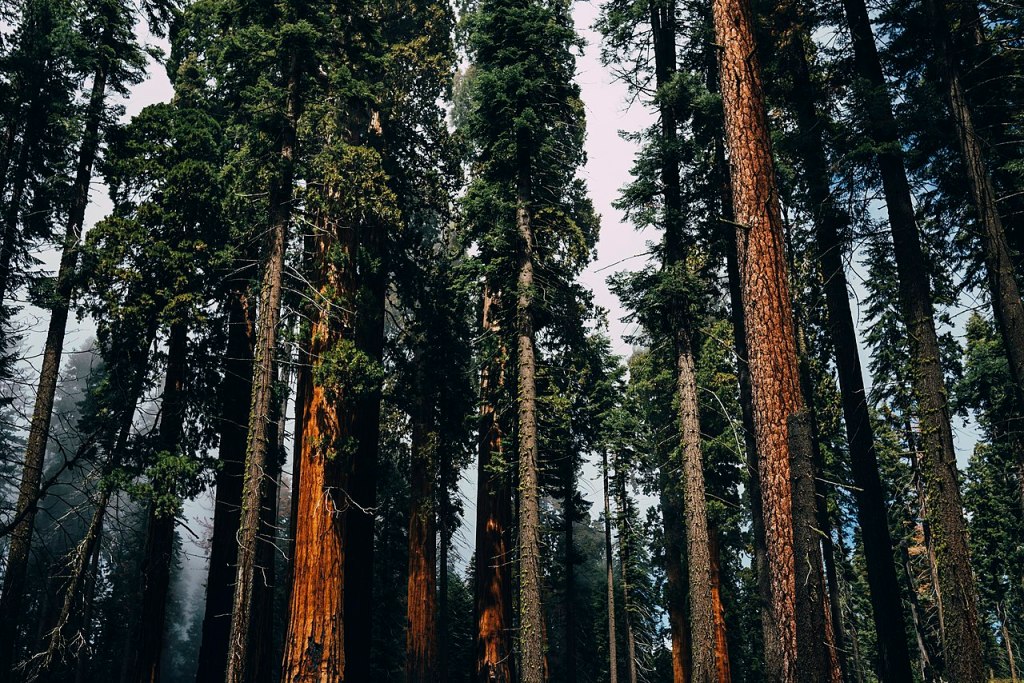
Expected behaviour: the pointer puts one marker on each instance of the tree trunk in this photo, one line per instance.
(869, 493)
(568, 514)
(609, 561)
(925, 657)
(625, 561)
(28, 493)
(1003, 288)
(234, 418)
(531, 615)
(698, 547)
(159, 550)
(1004, 631)
(722, 662)
(962, 646)
(492, 603)
(675, 579)
(255, 478)
(772, 360)
(421, 606)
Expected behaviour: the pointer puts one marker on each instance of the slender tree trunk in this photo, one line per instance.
(492, 602)
(1004, 631)
(421, 605)
(234, 418)
(924, 653)
(609, 561)
(625, 562)
(443, 620)
(869, 493)
(35, 450)
(962, 660)
(82, 656)
(722, 662)
(698, 545)
(776, 396)
(158, 554)
(568, 514)
(257, 443)
(675, 577)
(531, 619)
(702, 629)
(1003, 287)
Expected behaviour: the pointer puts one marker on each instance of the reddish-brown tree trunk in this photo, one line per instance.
(492, 602)
(421, 605)
(771, 349)
(962, 659)
(675, 577)
(722, 662)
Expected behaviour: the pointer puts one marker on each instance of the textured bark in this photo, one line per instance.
(924, 653)
(234, 418)
(158, 554)
(35, 450)
(421, 605)
(314, 642)
(814, 651)
(698, 555)
(609, 563)
(721, 641)
(869, 493)
(255, 478)
(492, 602)
(772, 360)
(1004, 290)
(531, 615)
(962, 659)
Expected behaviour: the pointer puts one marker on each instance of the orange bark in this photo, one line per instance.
(721, 644)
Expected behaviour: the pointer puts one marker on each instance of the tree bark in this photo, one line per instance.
(35, 450)
(421, 592)
(1004, 290)
(531, 615)
(962, 645)
(234, 418)
(625, 561)
(255, 477)
(675, 579)
(698, 545)
(568, 514)
(776, 395)
(492, 602)
(869, 493)
(722, 662)
(609, 562)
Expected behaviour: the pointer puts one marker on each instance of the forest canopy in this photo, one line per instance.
(305, 376)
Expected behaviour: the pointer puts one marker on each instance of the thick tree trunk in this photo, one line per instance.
(234, 418)
(255, 478)
(492, 603)
(1004, 290)
(314, 642)
(421, 605)
(35, 450)
(158, 554)
(869, 493)
(776, 396)
(531, 615)
(609, 562)
(962, 647)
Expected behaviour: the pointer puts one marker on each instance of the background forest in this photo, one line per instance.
(309, 372)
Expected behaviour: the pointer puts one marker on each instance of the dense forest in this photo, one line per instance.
(301, 378)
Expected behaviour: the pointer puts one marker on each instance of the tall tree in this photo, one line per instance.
(776, 397)
(961, 642)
